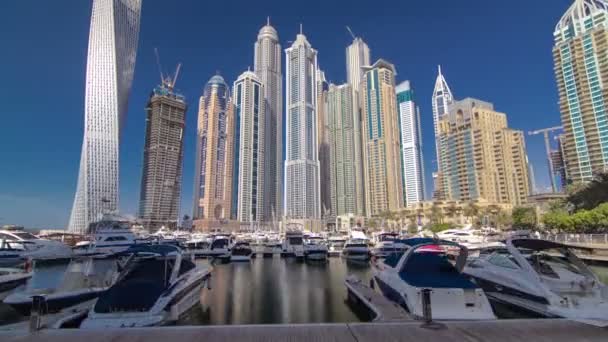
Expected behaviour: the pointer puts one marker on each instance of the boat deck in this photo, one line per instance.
(384, 309)
(495, 331)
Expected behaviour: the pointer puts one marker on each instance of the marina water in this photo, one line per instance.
(265, 291)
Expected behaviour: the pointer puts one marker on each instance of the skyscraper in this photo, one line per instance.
(579, 51)
(267, 65)
(482, 159)
(249, 105)
(161, 180)
(214, 156)
(341, 113)
(113, 39)
(302, 196)
(323, 146)
(411, 145)
(442, 98)
(384, 187)
(357, 56)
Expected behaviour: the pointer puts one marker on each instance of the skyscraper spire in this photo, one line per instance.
(301, 28)
(268, 20)
(442, 98)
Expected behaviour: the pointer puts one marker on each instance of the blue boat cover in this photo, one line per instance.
(159, 249)
(393, 259)
(433, 270)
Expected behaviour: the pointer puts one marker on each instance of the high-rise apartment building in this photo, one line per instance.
(323, 144)
(267, 65)
(482, 159)
(302, 195)
(441, 100)
(249, 105)
(161, 180)
(382, 148)
(113, 39)
(579, 52)
(214, 156)
(342, 119)
(357, 56)
(411, 145)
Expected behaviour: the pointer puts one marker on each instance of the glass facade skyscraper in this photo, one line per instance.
(581, 46)
(113, 40)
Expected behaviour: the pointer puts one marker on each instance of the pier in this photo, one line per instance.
(537, 330)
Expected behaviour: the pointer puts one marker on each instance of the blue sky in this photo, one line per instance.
(495, 51)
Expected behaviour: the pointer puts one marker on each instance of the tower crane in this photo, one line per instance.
(545, 132)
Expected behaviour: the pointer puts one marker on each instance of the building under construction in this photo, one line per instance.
(163, 155)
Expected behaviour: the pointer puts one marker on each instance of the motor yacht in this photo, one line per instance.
(241, 251)
(385, 244)
(425, 265)
(293, 244)
(85, 278)
(219, 247)
(157, 287)
(12, 279)
(17, 246)
(356, 249)
(272, 247)
(315, 248)
(543, 278)
(335, 245)
(112, 234)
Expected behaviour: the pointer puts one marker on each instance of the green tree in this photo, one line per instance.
(436, 214)
(591, 195)
(438, 227)
(471, 210)
(524, 218)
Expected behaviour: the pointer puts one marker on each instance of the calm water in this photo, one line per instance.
(264, 291)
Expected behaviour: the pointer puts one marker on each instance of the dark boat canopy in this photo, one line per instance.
(145, 249)
(536, 244)
(419, 241)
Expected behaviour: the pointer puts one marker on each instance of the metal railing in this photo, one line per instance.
(597, 239)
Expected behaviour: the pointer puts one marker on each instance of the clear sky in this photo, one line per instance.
(498, 51)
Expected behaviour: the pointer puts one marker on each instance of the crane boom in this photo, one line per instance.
(179, 66)
(160, 69)
(351, 32)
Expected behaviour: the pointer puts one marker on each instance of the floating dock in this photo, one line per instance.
(383, 309)
(537, 330)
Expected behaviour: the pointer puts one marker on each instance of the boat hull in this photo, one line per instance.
(22, 303)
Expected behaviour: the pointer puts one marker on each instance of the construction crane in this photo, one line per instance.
(351, 32)
(167, 81)
(545, 132)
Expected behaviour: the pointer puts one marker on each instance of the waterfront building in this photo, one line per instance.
(302, 196)
(249, 106)
(342, 119)
(267, 66)
(580, 47)
(411, 145)
(382, 150)
(559, 166)
(357, 56)
(441, 100)
(323, 143)
(161, 180)
(113, 39)
(482, 159)
(214, 156)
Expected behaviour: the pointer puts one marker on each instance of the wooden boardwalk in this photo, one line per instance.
(494, 331)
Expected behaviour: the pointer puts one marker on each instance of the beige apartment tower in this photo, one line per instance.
(381, 144)
(482, 159)
(214, 157)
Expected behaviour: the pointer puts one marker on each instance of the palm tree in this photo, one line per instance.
(436, 214)
(471, 210)
(451, 211)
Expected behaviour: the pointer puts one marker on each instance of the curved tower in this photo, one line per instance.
(267, 66)
(214, 156)
(579, 54)
(113, 39)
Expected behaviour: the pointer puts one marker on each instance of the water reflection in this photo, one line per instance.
(276, 290)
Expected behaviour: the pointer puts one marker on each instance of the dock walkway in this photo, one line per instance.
(384, 309)
(539, 330)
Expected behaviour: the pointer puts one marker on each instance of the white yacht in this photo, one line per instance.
(541, 277)
(241, 251)
(293, 244)
(385, 244)
(12, 279)
(84, 279)
(111, 234)
(156, 288)
(425, 265)
(356, 249)
(219, 247)
(336, 244)
(315, 248)
(17, 246)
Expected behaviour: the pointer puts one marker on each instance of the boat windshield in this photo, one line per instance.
(25, 235)
(88, 273)
(553, 263)
(295, 240)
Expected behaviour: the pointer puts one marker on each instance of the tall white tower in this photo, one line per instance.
(411, 145)
(442, 99)
(113, 39)
(357, 56)
(249, 107)
(302, 196)
(267, 66)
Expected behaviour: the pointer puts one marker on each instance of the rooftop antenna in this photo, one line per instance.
(351, 32)
(439, 68)
(268, 20)
(300, 28)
